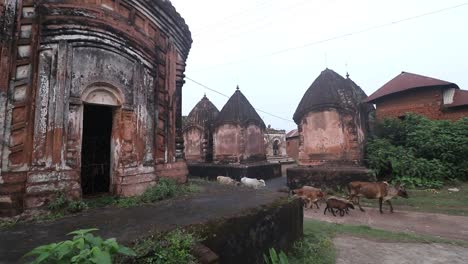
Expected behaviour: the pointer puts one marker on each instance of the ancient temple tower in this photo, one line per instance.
(90, 98)
(198, 131)
(332, 124)
(239, 132)
(238, 144)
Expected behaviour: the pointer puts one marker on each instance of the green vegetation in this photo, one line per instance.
(84, 248)
(165, 189)
(420, 152)
(60, 204)
(172, 248)
(430, 200)
(6, 223)
(317, 246)
(275, 258)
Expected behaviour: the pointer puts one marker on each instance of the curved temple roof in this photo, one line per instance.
(203, 112)
(330, 90)
(239, 110)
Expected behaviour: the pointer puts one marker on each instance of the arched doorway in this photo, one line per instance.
(99, 105)
(276, 144)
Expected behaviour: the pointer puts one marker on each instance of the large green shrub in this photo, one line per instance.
(84, 248)
(419, 151)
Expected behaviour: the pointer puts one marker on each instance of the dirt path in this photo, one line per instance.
(353, 250)
(445, 226)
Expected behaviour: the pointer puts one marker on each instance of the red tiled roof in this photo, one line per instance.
(407, 81)
(459, 98)
(292, 133)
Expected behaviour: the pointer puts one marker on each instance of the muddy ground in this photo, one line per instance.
(353, 250)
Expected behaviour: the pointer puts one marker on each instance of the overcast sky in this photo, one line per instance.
(271, 49)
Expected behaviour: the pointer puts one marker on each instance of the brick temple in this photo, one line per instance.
(198, 131)
(333, 124)
(90, 98)
(238, 144)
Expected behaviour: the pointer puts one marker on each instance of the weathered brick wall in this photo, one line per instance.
(330, 135)
(123, 54)
(292, 147)
(234, 143)
(427, 102)
(193, 141)
(424, 101)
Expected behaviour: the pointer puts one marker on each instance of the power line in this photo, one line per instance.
(227, 96)
(357, 32)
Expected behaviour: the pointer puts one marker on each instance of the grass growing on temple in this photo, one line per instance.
(164, 189)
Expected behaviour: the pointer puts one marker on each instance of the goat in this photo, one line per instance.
(227, 181)
(253, 183)
(309, 195)
(340, 204)
(375, 190)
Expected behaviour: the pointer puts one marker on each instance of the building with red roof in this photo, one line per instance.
(430, 97)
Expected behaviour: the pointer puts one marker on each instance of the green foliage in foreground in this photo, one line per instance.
(420, 152)
(172, 248)
(84, 248)
(275, 258)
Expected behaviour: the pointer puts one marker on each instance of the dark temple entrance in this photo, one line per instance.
(96, 149)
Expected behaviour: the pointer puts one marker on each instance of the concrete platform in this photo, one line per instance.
(259, 170)
(239, 224)
(326, 176)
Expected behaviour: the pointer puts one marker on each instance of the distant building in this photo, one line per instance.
(198, 130)
(430, 97)
(292, 144)
(239, 132)
(275, 143)
(238, 144)
(332, 125)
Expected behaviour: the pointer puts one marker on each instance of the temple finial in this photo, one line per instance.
(237, 87)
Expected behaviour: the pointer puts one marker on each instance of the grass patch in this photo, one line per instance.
(433, 201)
(174, 247)
(317, 245)
(311, 226)
(60, 206)
(164, 189)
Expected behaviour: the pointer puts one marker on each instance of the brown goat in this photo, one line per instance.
(375, 190)
(340, 204)
(309, 195)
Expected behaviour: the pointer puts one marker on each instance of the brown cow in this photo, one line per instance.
(375, 190)
(309, 195)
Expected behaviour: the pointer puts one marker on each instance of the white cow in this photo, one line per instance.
(227, 181)
(253, 183)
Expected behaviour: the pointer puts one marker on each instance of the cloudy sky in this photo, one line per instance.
(274, 49)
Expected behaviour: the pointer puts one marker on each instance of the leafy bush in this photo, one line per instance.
(165, 188)
(84, 248)
(274, 258)
(419, 151)
(174, 248)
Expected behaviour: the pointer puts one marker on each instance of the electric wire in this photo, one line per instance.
(227, 96)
